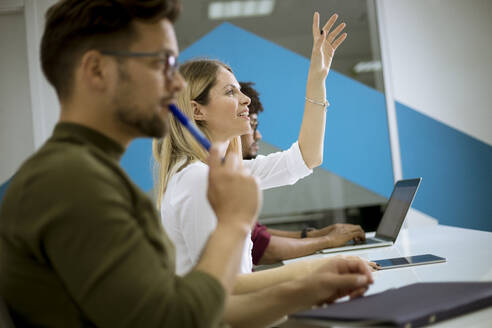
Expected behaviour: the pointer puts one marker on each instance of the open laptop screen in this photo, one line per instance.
(397, 208)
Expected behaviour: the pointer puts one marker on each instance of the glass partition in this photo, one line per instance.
(269, 42)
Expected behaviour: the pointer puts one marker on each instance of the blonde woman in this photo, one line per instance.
(212, 99)
(214, 102)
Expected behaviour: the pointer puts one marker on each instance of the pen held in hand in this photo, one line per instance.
(195, 132)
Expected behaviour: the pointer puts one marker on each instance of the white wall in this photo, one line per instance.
(45, 106)
(28, 105)
(16, 136)
(441, 60)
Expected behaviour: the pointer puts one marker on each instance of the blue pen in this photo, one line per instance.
(195, 132)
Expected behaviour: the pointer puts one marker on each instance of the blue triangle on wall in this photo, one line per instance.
(457, 180)
(356, 142)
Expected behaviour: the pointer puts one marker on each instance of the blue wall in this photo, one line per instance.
(138, 162)
(456, 168)
(356, 142)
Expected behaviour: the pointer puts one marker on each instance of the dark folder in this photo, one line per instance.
(414, 305)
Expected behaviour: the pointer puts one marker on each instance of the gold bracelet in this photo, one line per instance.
(325, 104)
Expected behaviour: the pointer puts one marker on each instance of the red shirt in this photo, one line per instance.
(261, 238)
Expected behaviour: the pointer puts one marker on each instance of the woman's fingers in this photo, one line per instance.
(373, 265)
(329, 24)
(339, 41)
(325, 43)
(318, 38)
(333, 39)
(333, 34)
(360, 266)
(358, 292)
(316, 32)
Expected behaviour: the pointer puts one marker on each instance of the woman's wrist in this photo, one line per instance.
(315, 97)
(298, 270)
(302, 290)
(234, 225)
(317, 77)
(316, 91)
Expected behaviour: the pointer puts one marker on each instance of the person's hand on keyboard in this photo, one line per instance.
(339, 234)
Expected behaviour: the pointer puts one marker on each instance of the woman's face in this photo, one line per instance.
(226, 113)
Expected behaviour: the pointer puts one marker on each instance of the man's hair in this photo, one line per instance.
(255, 106)
(75, 26)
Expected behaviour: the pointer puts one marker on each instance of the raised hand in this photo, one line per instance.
(325, 43)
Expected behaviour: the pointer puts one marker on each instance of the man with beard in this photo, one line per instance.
(272, 245)
(80, 244)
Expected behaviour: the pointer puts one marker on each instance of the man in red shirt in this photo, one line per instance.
(271, 245)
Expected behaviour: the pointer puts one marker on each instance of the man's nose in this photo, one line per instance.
(177, 83)
(258, 135)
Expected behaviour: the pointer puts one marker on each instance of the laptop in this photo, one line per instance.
(398, 205)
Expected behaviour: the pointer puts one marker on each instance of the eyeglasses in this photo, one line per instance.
(170, 61)
(254, 124)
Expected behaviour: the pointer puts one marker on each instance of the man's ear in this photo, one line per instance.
(95, 69)
(199, 113)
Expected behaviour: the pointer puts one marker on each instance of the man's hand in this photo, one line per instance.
(339, 234)
(235, 198)
(340, 276)
(232, 191)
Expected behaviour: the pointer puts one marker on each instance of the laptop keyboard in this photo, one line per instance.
(372, 241)
(367, 242)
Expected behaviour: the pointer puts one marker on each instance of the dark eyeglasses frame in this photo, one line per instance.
(254, 126)
(170, 61)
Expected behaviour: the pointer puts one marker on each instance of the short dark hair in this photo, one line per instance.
(255, 106)
(76, 26)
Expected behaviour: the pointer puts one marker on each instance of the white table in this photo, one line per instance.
(468, 254)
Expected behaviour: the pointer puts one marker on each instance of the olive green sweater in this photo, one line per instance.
(82, 246)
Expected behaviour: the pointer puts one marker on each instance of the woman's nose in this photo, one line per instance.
(246, 100)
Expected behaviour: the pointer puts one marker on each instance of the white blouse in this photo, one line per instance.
(188, 217)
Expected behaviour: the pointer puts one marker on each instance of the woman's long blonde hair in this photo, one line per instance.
(178, 149)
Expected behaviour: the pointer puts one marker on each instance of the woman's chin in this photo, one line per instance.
(245, 129)
(240, 132)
